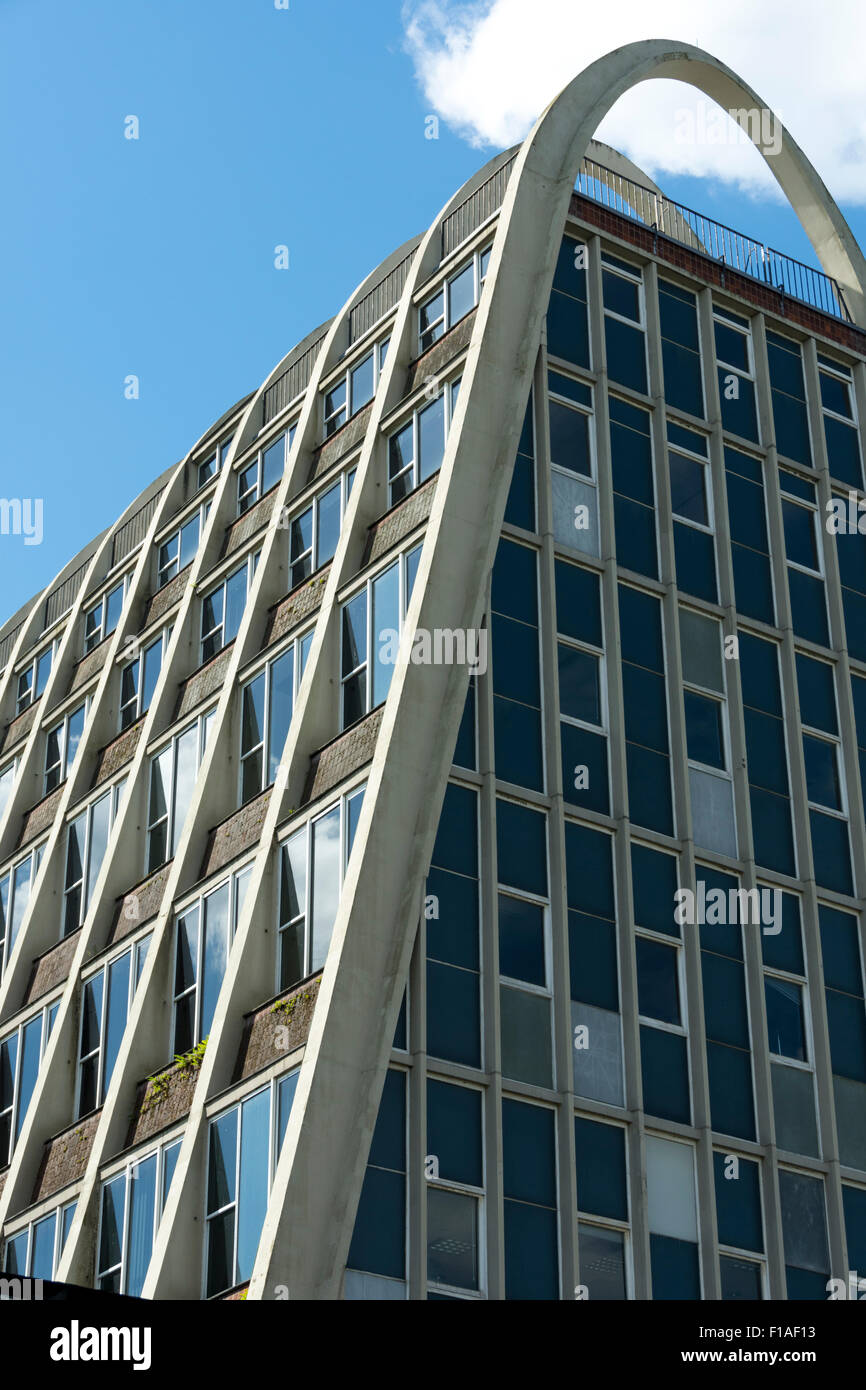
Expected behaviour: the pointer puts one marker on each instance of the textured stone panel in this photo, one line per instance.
(51, 968)
(240, 832)
(342, 756)
(276, 1029)
(296, 607)
(65, 1157)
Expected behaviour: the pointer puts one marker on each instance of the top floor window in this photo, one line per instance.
(210, 466)
(624, 322)
(354, 388)
(453, 300)
(33, 680)
(179, 549)
(264, 471)
(788, 392)
(101, 620)
(839, 409)
(736, 368)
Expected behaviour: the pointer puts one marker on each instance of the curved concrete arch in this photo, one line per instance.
(562, 133)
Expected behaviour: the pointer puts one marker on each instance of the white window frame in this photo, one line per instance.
(93, 638)
(306, 829)
(297, 646)
(838, 371)
(238, 882)
(140, 660)
(443, 323)
(612, 1223)
(708, 529)
(46, 1015)
(344, 482)
(63, 763)
(59, 1214)
(131, 949)
(612, 263)
(7, 784)
(817, 529)
(249, 496)
(202, 725)
(168, 569)
(450, 391)
(464, 1189)
(366, 585)
(217, 457)
(27, 695)
(115, 795)
(34, 858)
(249, 564)
(160, 1198)
(342, 413)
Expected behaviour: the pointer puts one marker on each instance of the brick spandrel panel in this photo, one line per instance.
(276, 1029)
(140, 904)
(341, 442)
(118, 753)
(240, 832)
(20, 726)
(41, 816)
(64, 1158)
(207, 680)
(247, 525)
(164, 599)
(235, 1296)
(88, 667)
(436, 358)
(394, 525)
(714, 273)
(52, 968)
(160, 1101)
(301, 603)
(339, 759)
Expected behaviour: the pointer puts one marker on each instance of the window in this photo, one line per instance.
(223, 608)
(172, 778)
(681, 348)
(34, 678)
(139, 678)
(103, 617)
(663, 1032)
(707, 733)
(567, 320)
(455, 1191)
(572, 460)
(673, 1220)
(21, 1056)
(633, 487)
(804, 1231)
(839, 412)
(376, 1267)
(740, 1226)
(61, 746)
(205, 931)
(353, 389)
(179, 549)
(264, 471)
(602, 1197)
(211, 465)
(370, 626)
(825, 778)
(86, 844)
(7, 782)
(789, 1035)
(736, 369)
(525, 989)
(846, 1020)
(726, 1013)
(453, 952)
(453, 300)
(130, 1210)
(767, 756)
(646, 714)
(105, 1001)
(243, 1148)
(15, 888)
(750, 544)
(314, 533)
(582, 687)
(597, 1055)
(266, 712)
(788, 393)
(35, 1251)
(529, 1187)
(518, 746)
(624, 322)
(312, 865)
(692, 507)
(804, 557)
(415, 451)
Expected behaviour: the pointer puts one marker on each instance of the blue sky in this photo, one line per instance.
(155, 257)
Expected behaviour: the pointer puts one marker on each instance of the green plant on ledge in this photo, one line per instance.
(286, 1007)
(184, 1063)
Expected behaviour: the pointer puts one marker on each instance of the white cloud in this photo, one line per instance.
(489, 68)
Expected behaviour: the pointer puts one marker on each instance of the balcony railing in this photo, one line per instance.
(742, 253)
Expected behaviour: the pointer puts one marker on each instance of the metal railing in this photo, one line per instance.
(475, 209)
(379, 299)
(739, 252)
(133, 531)
(6, 645)
(292, 382)
(61, 599)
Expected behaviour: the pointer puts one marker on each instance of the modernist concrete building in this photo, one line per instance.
(456, 764)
